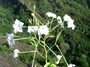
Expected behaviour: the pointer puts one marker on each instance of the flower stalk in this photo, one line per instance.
(36, 45)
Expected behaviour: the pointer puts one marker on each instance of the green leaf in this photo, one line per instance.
(52, 65)
(58, 35)
(49, 65)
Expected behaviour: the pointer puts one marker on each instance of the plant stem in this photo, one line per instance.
(26, 51)
(21, 39)
(51, 50)
(45, 50)
(6, 36)
(45, 53)
(62, 54)
(51, 22)
(40, 54)
(34, 56)
(36, 45)
(45, 20)
(57, 37)
(54, 28)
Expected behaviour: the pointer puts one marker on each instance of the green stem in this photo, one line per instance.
(40, 54)
(34, 15)
(62, 54)
(36, 45)
(21, 39)
(34, 57)
(26, 51)
(34, 9)
(57, 37)
(37, 20)
(45, 51)
(51, 50)
(6, 36)
(54, 28)
(45, 20)
(51, 22)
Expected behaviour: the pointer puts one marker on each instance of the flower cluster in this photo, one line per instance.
(67, 18)
(43, 29)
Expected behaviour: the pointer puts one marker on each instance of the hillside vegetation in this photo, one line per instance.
(78, 39)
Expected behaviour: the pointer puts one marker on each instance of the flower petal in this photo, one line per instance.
(58, 57)
(10, 39)
(15, 53)
(66, 17)
(43, 30)
(71, 65)
(18, 26)
(50, 14)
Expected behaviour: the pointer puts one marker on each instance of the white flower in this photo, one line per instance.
(66, 17)
(71, 65)
(32, 29)
(60, 21)
(58, 57)
(10, 39)
(49, 14)
(15, 53)
(71, 24)
(73, 27)
(43, 30)
(70, 21)
(18, 26)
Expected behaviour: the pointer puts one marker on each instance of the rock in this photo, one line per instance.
(23, 47)
(9, 61)
(2, 41)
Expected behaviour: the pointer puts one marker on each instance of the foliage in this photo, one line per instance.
(5, 49)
